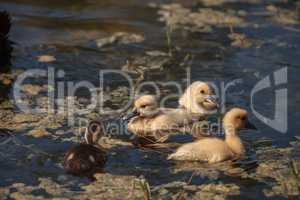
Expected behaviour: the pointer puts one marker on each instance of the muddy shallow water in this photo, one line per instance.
(221, 41)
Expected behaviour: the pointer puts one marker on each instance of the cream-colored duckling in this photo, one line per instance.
(148, 119)
(198, 99)
(214, 149)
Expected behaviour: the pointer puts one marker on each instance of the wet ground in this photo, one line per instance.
(221, 41)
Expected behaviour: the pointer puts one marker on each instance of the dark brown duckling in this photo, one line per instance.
(86, 159)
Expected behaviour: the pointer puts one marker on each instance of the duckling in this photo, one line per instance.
(198, 101)
(5, 44)
(85, 159)
(147, 119)
(215, 150)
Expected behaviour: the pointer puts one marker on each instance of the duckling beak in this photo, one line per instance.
(130, 115)
(212, 100)
(249, 125)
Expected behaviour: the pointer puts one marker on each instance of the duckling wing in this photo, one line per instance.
(84, 158)
(210, 149)
(97, 156)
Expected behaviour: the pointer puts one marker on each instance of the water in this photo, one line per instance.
(68, 31)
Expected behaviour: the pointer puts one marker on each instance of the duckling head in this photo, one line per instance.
(94, 132)
(236, 119)
(144, 106)
(199, 98)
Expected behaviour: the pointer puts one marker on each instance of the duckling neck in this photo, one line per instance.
(234, 142)
(89, 138)
(191, 116)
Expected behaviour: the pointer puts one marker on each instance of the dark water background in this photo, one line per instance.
(68, 29)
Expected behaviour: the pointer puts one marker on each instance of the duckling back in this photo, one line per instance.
(84, 159)
(208, 149)
(214, 149)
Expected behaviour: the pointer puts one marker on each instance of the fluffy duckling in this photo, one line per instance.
(147, 119)
(215, 150)
(85, 159)
(198, 101)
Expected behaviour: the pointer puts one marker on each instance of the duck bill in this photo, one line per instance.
(130, 115)
(249, 125)
(212, 100)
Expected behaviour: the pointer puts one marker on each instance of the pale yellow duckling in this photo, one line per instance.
(148, 119)
(198, 101)
(214, 149)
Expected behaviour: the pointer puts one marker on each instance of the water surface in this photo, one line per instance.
(68, 30)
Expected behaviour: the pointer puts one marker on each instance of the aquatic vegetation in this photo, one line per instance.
(46, 58)
(239, 40)
(284, 16)
(203, 20)
(38, 133)
(33, 89)
(119, 38)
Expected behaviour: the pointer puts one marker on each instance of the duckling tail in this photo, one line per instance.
(170, 157)
(176, 156)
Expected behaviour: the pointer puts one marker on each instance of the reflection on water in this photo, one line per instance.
(68, 30)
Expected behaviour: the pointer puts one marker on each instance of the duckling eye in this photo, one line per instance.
(143, 106)
(241, 118)
(202, 91)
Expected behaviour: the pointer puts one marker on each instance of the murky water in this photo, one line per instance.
(68, 30)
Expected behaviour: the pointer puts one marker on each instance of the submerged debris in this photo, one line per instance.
(284, 16)
(157, 61)
(8, 78)
(214, 2)
(106, 186)
(33, 89)
(46, 58)
(120, 38)
(38, 133)
(176, 16)
(239, 40)
(275, 164)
